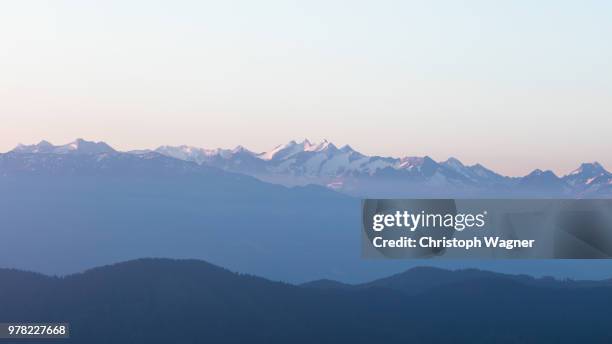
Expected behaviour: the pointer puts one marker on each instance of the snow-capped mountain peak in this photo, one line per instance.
(318, 147)
(588, 175)
(41, 147)
(589, 169)
(281, 151)
(411, 162)
(79, 146)
(189, 153)
(241, 149)
(292, 148)
(454, 162)
(347, 148)
(536, 172)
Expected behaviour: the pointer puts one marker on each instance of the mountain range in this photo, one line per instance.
(191, 301)
(68, 208)
(88, 205)
(351, 172)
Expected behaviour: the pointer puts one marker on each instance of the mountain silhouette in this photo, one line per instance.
(189, 301)
(421, 279)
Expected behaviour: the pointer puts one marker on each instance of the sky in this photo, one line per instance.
(514, 85)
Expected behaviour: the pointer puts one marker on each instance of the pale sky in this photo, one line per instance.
(515, 85)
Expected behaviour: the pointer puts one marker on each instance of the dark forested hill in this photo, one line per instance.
(421, 279)
(188, 301)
